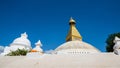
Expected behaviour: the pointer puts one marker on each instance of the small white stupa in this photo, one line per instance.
(38, 47)
(37, 50)
(116, 47)
(19, 43)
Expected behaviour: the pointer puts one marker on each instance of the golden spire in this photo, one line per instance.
(73, 32)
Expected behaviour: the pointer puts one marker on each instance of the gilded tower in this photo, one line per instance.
(73, 32)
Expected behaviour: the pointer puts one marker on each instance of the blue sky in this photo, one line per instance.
(48, 20)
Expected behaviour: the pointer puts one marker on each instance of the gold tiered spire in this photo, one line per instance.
(73, 32)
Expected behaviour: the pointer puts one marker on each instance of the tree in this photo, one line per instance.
(19, 52)
(110, 43)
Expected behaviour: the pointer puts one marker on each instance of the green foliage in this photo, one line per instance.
(19, 52)
(110, 43)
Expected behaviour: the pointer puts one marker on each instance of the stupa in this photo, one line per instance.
(19, 43)
(38, 47)
(116, 47)
(37, 50)
(74, 43)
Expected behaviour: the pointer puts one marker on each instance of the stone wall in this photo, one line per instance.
(103, 60)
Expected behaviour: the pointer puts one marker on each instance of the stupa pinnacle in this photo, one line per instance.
(24, 35)
(72, 21)
(38, 43)
(73, 32)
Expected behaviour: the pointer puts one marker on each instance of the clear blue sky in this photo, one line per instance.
(48, 20)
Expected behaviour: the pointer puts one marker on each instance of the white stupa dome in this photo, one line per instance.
(76, 47)
(22, 41)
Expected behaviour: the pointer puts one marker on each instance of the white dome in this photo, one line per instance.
(76, 46)
(22, 41)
